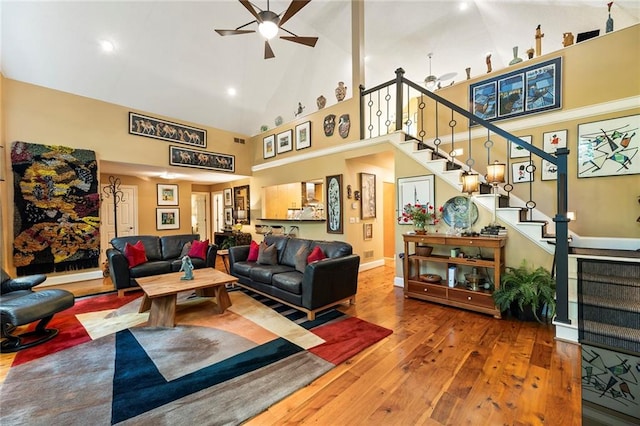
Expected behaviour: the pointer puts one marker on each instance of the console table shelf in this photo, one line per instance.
(458, 296)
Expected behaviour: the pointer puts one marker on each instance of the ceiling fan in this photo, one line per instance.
(432, 82)
(270, 23)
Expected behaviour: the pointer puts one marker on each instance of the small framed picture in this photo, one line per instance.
(284, 142)
(516, 151)
(522, 172)
(549, 171)
(228, 200)
(269, 147)
(167, 219)
(554, 140)
(303, 135)
(228, 216)
(167, 195)
(368, 231)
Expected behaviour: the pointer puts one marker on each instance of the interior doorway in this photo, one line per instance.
(120, 223)
(200, 213)
(217, 203)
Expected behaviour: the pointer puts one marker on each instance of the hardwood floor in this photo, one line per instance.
(441, 366)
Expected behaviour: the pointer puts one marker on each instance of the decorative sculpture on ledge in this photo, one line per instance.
(539, 36)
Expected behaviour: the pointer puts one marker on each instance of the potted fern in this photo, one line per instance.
(527, 292)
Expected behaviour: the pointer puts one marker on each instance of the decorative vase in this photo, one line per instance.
(419, 228)
(341, 91)
(321, 101)
(515, 59)
(609, 24)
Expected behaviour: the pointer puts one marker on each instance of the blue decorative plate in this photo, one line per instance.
(456, 214)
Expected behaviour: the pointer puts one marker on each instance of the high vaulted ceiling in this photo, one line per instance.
(168, 60)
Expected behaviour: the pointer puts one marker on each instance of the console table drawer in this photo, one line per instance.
(431, 290)
(480, 299)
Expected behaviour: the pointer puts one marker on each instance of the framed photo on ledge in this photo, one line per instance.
(167, 195)
(269, 147)
(167, 219)
(303, 135)
(284, 142)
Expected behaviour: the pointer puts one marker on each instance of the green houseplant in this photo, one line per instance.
(526, 288)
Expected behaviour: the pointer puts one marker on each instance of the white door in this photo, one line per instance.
(127, 216)
(218, 212)
(199, 215)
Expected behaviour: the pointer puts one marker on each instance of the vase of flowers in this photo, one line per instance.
(421, 215)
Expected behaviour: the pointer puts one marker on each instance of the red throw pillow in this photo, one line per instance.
(135, 254)
(254, 248)
(316, 254)
(199, 249)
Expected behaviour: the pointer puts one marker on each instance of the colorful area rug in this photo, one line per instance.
(107, 367)
(57, 208)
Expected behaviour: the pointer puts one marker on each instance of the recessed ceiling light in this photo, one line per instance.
(463, 6)
(107, 46)
(231, 91)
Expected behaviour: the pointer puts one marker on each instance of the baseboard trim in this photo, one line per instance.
(71, 278)
(371, 265)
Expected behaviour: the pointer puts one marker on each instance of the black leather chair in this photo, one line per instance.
(20, 305)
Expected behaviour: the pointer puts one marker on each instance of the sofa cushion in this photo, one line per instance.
(147, 269)
(265, 273)
(243, 268)
(199, 249)
(316, 254)
(172, 245)
(334, 249)
(288, 281)
(151, 245)
(267, 254)
(280, 241)
(135, 254)
(253, 252)
(288, 257)
(185, 250)
(301, 258)
(197, 264)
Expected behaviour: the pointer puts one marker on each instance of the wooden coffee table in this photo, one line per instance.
(160, 293)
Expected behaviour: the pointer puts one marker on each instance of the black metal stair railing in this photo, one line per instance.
(402, 105)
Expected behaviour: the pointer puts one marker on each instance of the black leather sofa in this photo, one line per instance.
(323, 284)
(163, 254)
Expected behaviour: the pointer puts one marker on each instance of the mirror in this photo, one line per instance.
(242, 205)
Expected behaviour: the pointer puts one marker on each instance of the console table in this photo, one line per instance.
(440, 292)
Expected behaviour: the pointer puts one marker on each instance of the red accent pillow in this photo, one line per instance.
(199, 249)
(254, 248)
(316, 254)
(135, 254)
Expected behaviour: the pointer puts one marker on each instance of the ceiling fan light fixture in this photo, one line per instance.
(430, 82)
(268, 28)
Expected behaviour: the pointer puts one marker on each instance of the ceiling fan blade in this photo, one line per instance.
(293, 8)
(447, 76)
(247, 4)
(233, 32)
(307, 41)
(268, 53)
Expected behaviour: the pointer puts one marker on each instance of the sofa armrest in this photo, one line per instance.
(210, 261)
(118, 269)
(330, 280)
(22, 283)
(237, 254)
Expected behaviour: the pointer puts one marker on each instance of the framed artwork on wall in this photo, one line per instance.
(269, 147)
(157, 128)
(522, 172)
(549, 171)
(228, 216)
(334, 204)
(415, 190)
(609, 147)
(167, 219)
(185, 157)
(228, 197)
(516, 151)
(284, 143)
(367, 196)
(303, 135)
(554, 140)
(167, 195)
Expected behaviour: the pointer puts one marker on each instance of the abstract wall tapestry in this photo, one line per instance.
(57, 208)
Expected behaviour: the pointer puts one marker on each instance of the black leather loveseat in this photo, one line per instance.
(324, 283)
(163, 254)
